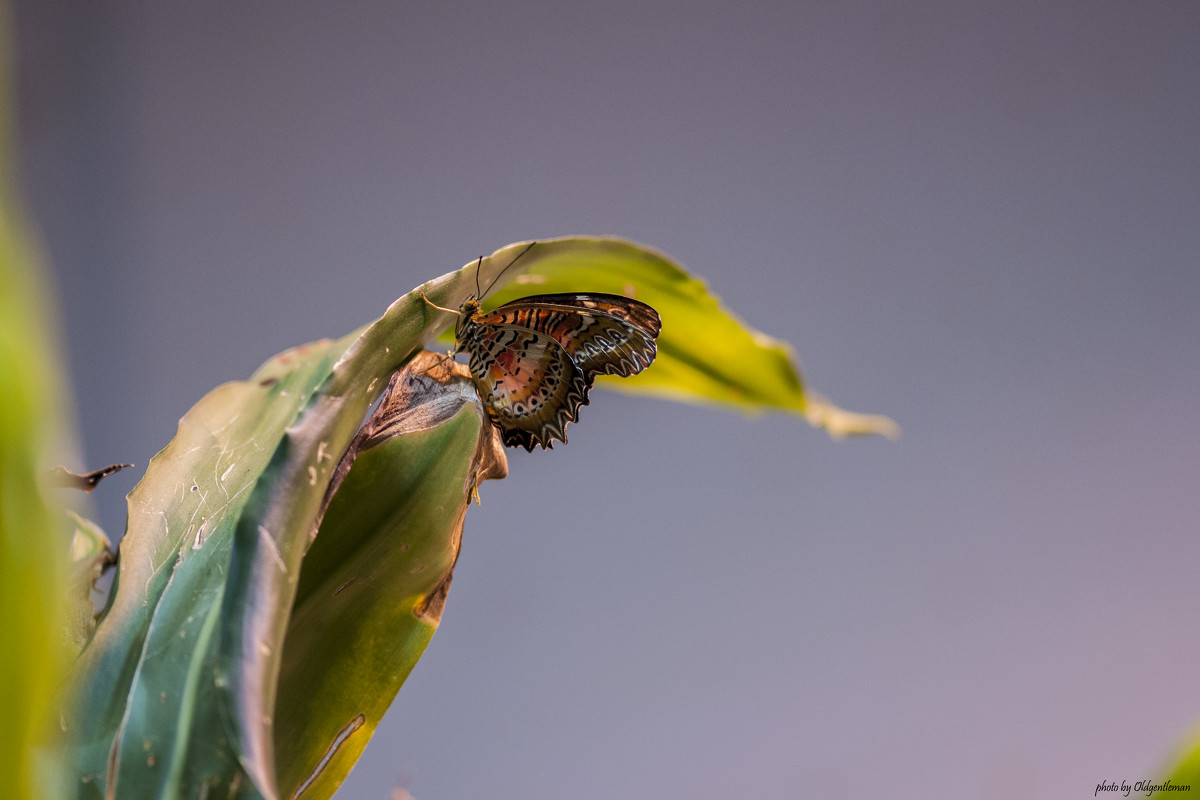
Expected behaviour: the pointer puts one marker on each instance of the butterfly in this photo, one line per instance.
(534, 359)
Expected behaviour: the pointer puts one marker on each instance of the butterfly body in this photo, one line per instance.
(534, 360)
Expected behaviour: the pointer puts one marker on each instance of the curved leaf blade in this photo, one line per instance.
(281, 516)
(376, 577)
(239, 462)
(89, 555)
(180, 682)
(706, 354)
(137, 675)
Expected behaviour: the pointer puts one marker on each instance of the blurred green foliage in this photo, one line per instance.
(33, 555)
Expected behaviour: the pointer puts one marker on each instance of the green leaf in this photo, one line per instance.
(1186, 772)
(33, 557)
(237, 656)
(90, 554)
(375, 580)
(137, 676)
(165, 699)
(705, 353)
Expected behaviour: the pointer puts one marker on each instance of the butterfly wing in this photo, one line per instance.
(604, 334)
(624, 308)
(528, 382)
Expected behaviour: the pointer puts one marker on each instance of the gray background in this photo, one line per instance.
(979, 218)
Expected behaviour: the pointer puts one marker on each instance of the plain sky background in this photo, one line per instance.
(981, 218)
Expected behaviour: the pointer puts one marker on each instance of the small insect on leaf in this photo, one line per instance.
(534, 359)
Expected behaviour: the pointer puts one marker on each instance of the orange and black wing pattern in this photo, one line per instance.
(605, 334)
(535, 359)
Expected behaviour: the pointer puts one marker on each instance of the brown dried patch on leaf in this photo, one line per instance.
(426, 393)
(430, 608)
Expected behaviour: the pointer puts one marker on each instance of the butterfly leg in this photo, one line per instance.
(447, 356)
(450, 353)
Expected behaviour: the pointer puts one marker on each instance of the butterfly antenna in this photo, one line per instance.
(429, 302)
(501, 273)
(477, 263)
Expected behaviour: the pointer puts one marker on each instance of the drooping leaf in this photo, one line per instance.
(235, 661)
(176, 689)
(705, 353)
